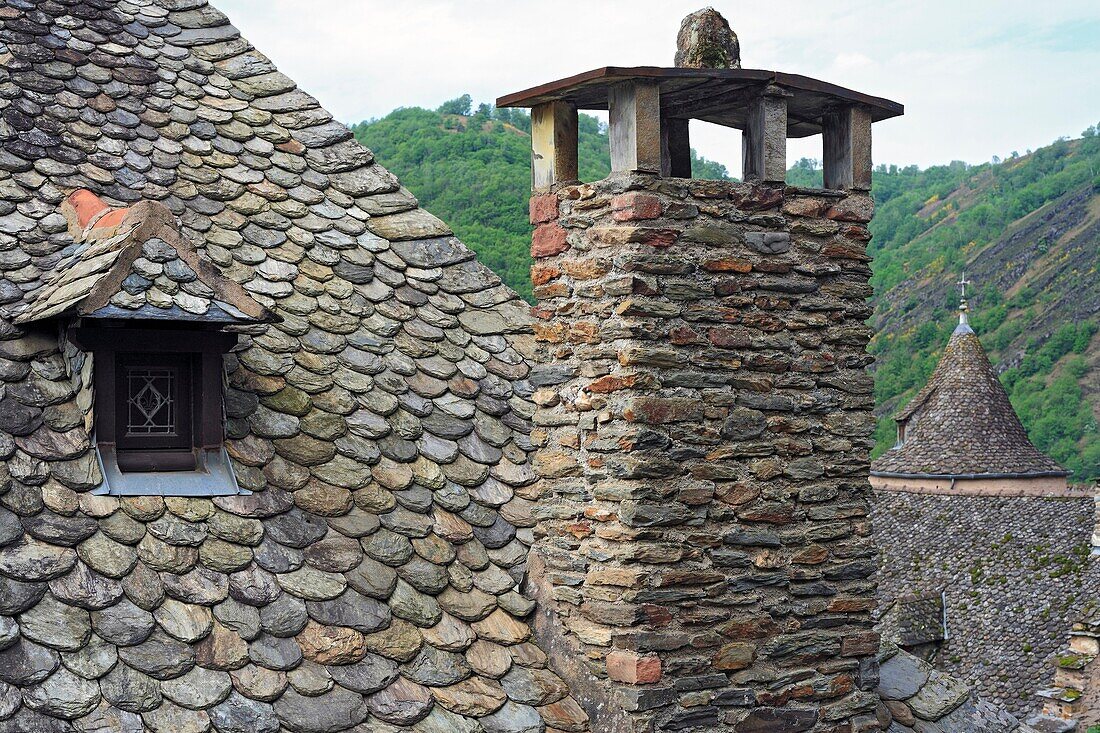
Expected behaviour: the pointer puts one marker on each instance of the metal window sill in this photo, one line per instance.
(212, 477)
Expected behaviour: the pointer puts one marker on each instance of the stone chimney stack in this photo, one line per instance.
(704, 557)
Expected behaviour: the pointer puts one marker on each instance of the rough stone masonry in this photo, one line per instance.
(703, 428)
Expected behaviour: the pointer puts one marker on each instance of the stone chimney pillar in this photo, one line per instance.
(703, 557)
(703, 424)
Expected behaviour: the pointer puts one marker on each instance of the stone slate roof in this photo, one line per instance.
(1016, 572)
(133, 263)
(962, 423)
(370, 581)
(920, 698)
(915, 619)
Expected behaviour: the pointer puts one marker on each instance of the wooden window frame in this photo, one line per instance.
(203, 350)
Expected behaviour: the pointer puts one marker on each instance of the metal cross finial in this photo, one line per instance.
(964, 322)
(962, 286)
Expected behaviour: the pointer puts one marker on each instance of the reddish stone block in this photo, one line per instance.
(542, 274)
(770, 513)
(633, 668)
(611, 383)
(656, 616)
(548, 240)
(660, 410)
(757, 198)
(741, 629)
(683, 335)
(730, 338)
(544, 314)
(727, 287)
(841, 685)
(843, 250)
(635, 206)
(860, 645)
(657, 237)
(856, 231)
(543, 208)
(579, 530)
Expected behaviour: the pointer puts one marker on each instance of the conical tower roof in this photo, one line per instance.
(962, 423)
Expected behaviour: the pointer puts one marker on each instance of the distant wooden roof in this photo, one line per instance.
(712, 95)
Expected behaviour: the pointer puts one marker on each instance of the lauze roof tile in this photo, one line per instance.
(154, 164)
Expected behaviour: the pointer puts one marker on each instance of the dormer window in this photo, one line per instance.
(158, 407)
(152, 312)
(902, 424)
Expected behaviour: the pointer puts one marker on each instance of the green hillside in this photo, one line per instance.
(1026, 230)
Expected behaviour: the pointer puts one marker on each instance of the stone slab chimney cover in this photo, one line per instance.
(706, 41)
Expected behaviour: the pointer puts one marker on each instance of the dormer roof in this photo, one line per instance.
(133, 263)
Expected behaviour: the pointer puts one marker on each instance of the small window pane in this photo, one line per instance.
(151, 398)
(153, 403)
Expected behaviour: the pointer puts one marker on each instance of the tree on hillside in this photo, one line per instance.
(458, 106)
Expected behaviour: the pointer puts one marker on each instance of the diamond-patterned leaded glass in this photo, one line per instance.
(150, 400)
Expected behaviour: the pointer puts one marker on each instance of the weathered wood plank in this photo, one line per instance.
(764, 142)
(846, 148)
(635, 126)
(553, 144)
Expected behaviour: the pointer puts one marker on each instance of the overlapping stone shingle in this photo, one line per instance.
(1015, 573)
(917, 697)
(369, 582)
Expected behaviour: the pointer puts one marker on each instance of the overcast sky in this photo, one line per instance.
(978, 78)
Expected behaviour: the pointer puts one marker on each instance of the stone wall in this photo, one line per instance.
(1017, 572)
(703, 427)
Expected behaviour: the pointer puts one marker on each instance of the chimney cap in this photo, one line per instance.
(712, 95)
(706, 41)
